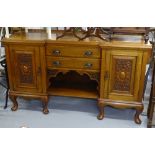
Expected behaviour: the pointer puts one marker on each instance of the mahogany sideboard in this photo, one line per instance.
(111, 72)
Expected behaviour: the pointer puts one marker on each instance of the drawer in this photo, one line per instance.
(73, 63)
(66, 51)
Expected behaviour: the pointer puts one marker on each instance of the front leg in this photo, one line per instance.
(45, 105)
(139, 110)
(15, 103)
(101, 111)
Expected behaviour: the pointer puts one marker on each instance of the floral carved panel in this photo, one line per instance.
(25, 68)
(122, 74)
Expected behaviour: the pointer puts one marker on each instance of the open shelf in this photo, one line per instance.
(72, 92)
(74, 85)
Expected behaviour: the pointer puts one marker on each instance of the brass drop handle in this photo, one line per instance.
(88, 53)
(56, 63)
(88, 65)
(56, 52)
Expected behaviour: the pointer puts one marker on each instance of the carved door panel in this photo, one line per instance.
(124, 75)
(25, 61)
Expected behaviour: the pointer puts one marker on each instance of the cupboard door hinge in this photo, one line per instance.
(106, 75)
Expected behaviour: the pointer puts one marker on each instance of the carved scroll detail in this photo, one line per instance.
(92, 75)
(55, 72)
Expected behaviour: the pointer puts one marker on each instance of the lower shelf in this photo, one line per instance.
(73, 92)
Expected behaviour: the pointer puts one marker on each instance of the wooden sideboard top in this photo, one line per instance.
(42, 38)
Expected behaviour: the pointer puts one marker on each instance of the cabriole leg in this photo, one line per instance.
(45, 105)
(101, 111)
(15, 103)
(137, 114)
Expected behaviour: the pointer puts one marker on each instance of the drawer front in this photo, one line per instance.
(63, 51)
(73, 63)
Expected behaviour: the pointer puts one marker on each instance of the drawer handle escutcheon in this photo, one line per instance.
(88, 65)
(56, 52)
(56, 63)
(88, 53)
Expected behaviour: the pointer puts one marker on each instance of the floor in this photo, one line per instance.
(66, 112)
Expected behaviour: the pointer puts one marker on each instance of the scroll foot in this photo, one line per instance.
(136, 118)
(101, 111)
(45, 105)
(15, 104)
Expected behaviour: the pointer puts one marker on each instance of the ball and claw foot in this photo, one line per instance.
(14, 108)
(100, 116)
(45, 111)
(101, 111)
(45, 105)
(137, 119)
(15, 103)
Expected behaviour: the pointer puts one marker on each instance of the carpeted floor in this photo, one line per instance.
(66, 112)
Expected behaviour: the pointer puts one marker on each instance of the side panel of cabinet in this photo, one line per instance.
(124, 74)
(102, 73)
(26, 70)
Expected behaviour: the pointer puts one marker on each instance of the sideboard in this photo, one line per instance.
(111, 72)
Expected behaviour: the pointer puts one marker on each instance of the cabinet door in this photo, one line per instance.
(25, 64)
(124, 68)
